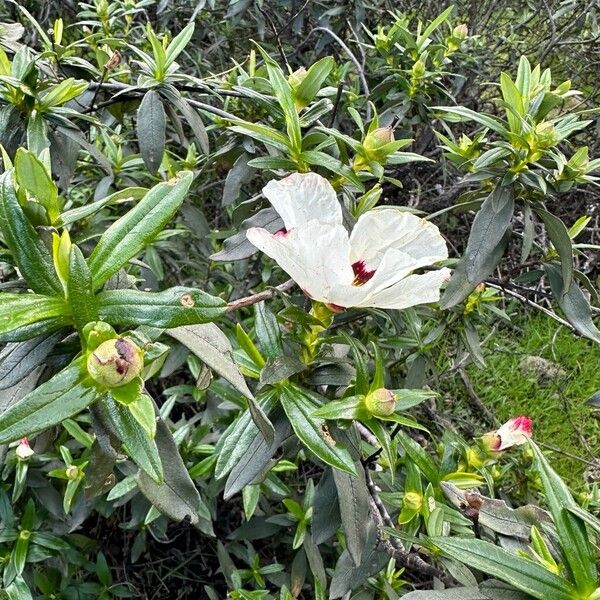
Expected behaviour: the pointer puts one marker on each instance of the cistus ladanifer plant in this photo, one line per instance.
(256, 261)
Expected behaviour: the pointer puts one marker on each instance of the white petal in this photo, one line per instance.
(379, 230)
(303, 197)
(410, 291)
(316, 255)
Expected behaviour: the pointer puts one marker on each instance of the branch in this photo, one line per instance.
(410, 560)
(260, 296)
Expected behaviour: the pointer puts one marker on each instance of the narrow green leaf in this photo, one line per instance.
(313, 80)
(127, 237)
(28, 250)
(312, 431)
(353, 497)
(33, 177)
(174, 307)
(285, 96)
(178, 44)
(151, 125)
(59, 398)
(558, 234)
(573, 303)
(142, 450)
(177, 497)
(267, 332)
(574, 540)
(20, 311)
(524, 574)
(84, 306)
(485, 247)
(470, 115)
(213, 348)
(20, 359)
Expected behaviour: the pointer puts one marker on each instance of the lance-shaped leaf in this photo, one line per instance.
(212, 347)
(19, 359)
(177, 497)
(353, 498)
(573, 303)
(558, 234)
(347, 576)
(27, 249)
(137, 443)
(58, 399)
(524, 574)
(32, 175)
(574, 540)
(257, 457)
(84, 305)
(487, 240)
(312, 431)
(127, 237)
(174, 307)
(20, 313)
(151, 124)
(238, 438)
(238, 247)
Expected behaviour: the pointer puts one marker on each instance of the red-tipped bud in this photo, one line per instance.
(514, 432)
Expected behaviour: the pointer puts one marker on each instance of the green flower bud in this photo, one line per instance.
(413, 501)
(72, 472)
(418, 69)
(115, 362)
(546, 135)
(378, 138)
(297, 77)
(381, 402)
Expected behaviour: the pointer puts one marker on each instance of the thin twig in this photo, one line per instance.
(410, 560)
(260, 296)
(533, 304)
(475, 401)
(359, 69)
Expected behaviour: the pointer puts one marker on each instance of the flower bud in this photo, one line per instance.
(413, 501)
(72, 472)
(514, 432)
(375, 141)
(115, 362)
(381, 402)
(546, 135)
(460, 31)
(418, 69)
(297, 77)
(23, 450)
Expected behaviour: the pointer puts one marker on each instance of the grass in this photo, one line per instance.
(555, 401)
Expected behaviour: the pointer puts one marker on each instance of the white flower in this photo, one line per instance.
(23, 450)
(370, 267)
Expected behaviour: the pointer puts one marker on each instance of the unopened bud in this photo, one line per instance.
(115, 362)
(460, 31)
(514, 432)
(114, 61)
(381, 402)
(418, 69)
(72, 472)
(23, 450)
(297, 77)
(413, 501)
